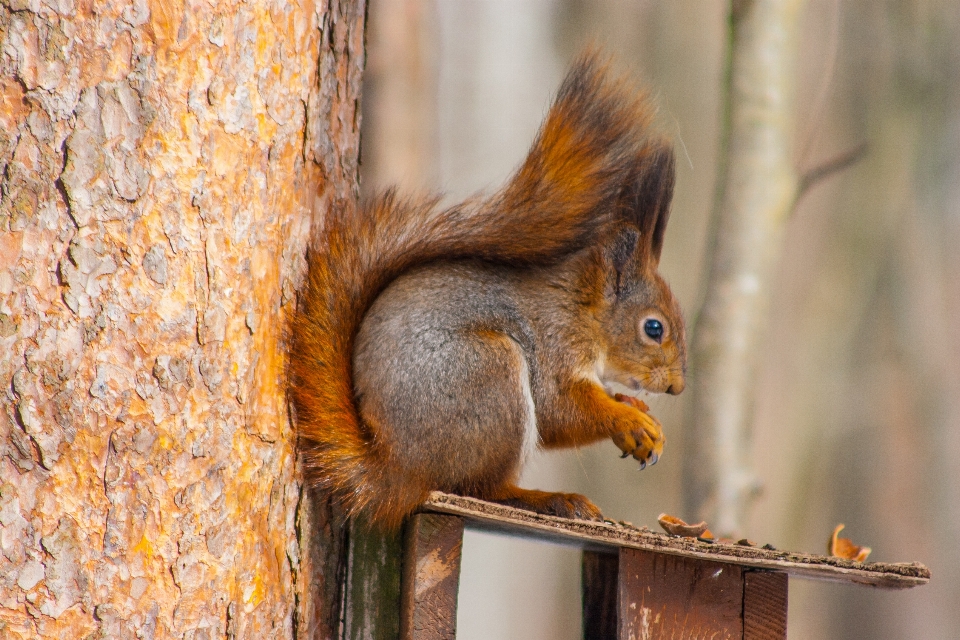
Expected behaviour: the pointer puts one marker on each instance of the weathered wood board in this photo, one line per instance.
(670, 596)
(764, 605)
(431, 577)
(608, 536)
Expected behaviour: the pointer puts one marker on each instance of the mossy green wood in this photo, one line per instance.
(372, 599)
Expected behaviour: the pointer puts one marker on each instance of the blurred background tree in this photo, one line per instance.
(857, 400)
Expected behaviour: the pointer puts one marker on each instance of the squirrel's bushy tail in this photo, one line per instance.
(594, 137)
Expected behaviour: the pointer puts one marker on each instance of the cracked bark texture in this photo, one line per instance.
(160, 165)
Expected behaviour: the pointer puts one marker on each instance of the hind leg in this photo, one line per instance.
(453, 411)
(449, 409)
(501, 486)
(563, 505)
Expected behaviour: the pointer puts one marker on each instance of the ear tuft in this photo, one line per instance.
(666, 179)
(566, 190)
(621, 250)
(646, 199)
(624, 246)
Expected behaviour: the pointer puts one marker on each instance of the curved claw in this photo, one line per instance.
(641, 437)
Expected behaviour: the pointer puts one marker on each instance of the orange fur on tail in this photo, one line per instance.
(559, 200)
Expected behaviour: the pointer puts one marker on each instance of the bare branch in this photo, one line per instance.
(829, 167)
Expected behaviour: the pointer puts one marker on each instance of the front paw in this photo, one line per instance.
(643, 437)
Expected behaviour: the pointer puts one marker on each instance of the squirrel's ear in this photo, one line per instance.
(621, 250)
(647, 199)
(624, 245)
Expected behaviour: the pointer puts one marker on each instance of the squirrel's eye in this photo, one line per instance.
(653, 329)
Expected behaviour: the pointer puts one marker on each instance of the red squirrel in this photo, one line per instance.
(434, 348)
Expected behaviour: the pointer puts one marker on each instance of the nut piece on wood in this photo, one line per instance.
(844, 547)
(678, 527)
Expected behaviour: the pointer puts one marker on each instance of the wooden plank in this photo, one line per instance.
(607, 536)
(323, 563)
(431, 577)
(764, 605)
(600, 573)
(372, 594)
(668, 596)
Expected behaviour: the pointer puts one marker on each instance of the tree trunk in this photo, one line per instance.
(160, 164)
(757, 192)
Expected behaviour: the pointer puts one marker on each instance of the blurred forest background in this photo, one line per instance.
(858, 401)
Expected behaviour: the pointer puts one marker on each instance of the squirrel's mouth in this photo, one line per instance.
(630, 387)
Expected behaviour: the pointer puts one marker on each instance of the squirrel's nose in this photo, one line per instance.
(676, 387)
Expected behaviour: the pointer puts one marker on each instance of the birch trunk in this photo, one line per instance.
(159, 166)
(757, 190)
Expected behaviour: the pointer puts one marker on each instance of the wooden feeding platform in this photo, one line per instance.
(637, 583)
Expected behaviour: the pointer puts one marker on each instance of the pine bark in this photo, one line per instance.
(160, 167)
